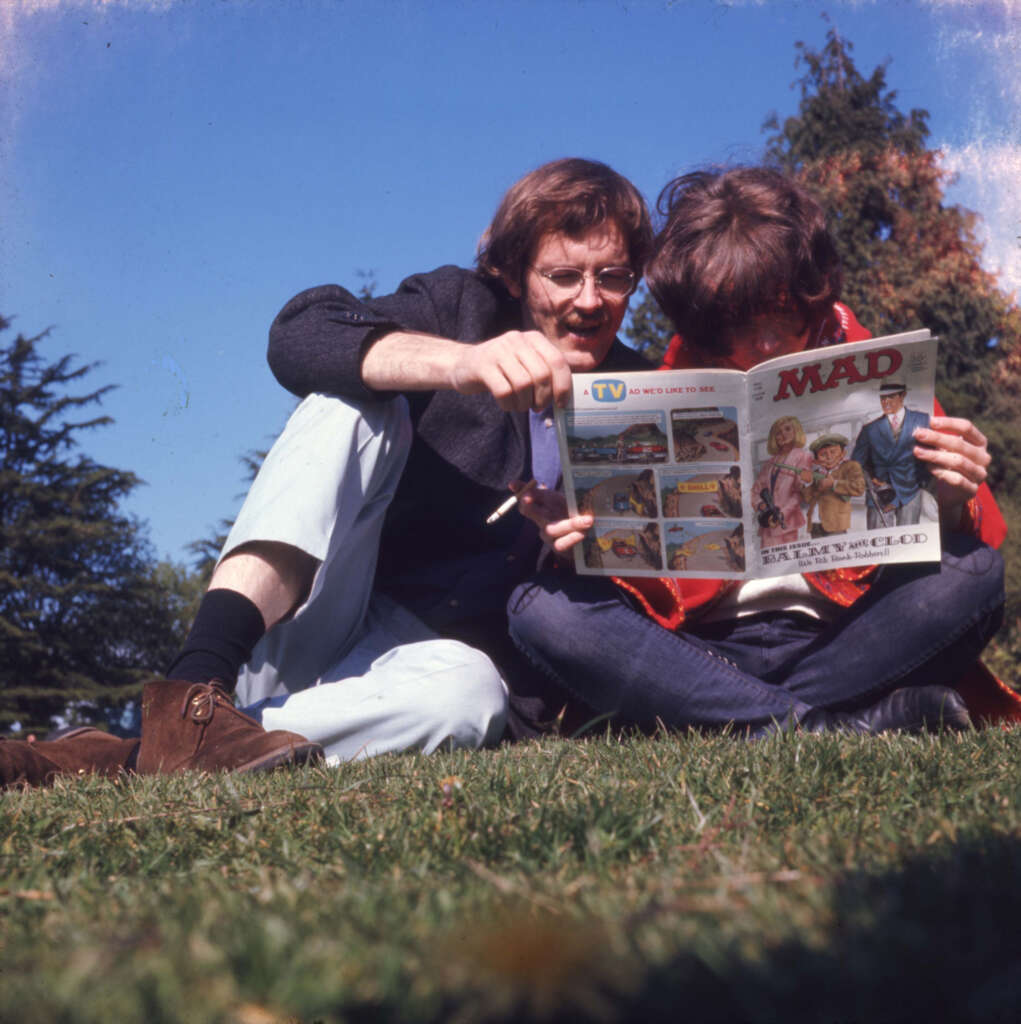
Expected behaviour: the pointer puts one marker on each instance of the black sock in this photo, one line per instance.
(220, 641)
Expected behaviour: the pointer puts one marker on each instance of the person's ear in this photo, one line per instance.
(514, 287)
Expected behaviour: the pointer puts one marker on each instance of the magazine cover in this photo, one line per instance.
(803, 463)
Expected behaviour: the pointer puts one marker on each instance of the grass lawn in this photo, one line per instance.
(677, 878)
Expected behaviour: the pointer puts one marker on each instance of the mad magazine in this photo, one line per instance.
(803, 463)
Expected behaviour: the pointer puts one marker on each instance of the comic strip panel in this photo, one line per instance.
(616, 438)
(615, 493)
(623, 547)
(714, 492)
(705, 435)
(705, 546)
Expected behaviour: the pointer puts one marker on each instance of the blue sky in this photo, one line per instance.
(172, 172)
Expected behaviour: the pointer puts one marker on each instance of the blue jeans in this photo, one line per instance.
(917, 624)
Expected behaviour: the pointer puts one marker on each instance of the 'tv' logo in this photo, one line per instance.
(609, 390)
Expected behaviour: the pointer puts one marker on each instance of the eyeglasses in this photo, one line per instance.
(616, 281)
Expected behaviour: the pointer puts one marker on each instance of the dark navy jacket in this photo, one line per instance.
(437, 555)
(883, 457)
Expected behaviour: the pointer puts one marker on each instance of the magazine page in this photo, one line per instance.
(658, 459)
(804, 463)
(834, 481)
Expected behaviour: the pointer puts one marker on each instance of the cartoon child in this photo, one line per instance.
(835, 481)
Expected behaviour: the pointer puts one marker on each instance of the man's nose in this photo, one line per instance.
(767, 340)
(590, 297)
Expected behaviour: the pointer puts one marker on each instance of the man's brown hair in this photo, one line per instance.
(571, 197)
(735, 244)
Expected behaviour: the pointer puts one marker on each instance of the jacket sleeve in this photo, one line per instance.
(317, 341)
(981, 516)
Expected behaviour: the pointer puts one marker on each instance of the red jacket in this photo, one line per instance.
(667, 600)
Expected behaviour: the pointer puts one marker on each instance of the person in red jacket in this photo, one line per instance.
(746, 270)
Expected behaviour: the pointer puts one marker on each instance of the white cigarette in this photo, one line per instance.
(500, 512)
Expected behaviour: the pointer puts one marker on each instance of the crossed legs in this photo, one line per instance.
(917, 625)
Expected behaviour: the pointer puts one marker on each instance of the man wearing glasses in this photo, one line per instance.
(419, 409)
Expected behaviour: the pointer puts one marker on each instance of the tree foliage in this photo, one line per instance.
(910, 259)
(84, 612)
(648, 328)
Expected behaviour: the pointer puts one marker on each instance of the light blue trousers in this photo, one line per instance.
(352, 669)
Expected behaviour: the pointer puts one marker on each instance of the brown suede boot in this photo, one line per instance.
(90, 751)
(196, 726)
(22, 765)
(82, 751)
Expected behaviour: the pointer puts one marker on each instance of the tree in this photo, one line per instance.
(648, 329)
(84, 613)
(910, 259)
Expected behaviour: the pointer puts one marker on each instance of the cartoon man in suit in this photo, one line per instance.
(885, 450)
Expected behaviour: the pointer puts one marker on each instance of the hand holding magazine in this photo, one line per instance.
(803, 463)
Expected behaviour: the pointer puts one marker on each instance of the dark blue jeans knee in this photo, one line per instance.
(917, 624)
(583, 634)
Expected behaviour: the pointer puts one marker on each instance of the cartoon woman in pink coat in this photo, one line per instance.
(778, 485)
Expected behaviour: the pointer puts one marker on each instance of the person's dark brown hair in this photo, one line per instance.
(571, 197)
(735, 244)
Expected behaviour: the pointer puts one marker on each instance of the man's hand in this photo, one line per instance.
(548, 510)
(520, 369)
(956, 453)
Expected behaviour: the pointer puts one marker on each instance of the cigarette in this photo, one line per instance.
(500, 512)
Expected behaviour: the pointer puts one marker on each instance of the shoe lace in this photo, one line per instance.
(200, 701)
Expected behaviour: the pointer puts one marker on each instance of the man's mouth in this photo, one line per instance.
(584, 329)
